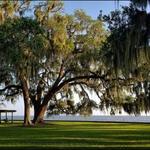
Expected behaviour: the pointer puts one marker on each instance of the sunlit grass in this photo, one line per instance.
(76, 135)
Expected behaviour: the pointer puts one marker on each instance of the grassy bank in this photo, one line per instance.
(76, 135)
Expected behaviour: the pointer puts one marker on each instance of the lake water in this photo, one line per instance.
(142, 119)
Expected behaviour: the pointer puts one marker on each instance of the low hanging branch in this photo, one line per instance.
(9, 87)
(65, 82)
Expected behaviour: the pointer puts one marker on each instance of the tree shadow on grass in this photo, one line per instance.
(74, 148)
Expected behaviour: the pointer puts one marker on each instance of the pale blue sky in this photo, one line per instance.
(92, 8)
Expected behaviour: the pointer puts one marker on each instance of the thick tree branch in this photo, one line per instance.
(55, 89)
(12, 94)
(78, 82)
(87, 77)
(59, 78)
(10, 87)
(52, 91)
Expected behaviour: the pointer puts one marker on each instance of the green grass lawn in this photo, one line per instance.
(75, 135)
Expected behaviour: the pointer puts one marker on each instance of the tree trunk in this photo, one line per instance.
(42, 108)
(36, 108)
(27, 120)
(39, 114)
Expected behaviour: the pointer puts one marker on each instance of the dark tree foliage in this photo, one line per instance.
(127, 55)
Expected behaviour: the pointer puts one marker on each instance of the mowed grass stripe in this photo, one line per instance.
(76, 134)
(75, 142)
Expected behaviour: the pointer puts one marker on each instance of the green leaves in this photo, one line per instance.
(126, 55)
(23, 42)
(54, 49)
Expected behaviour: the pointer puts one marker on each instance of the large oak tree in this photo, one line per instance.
(49, 56)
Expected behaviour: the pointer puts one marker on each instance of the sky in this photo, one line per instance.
(92, 8)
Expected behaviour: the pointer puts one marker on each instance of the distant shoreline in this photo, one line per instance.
(123, 119)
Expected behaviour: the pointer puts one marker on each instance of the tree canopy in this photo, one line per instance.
(50, 56)
(128, 48)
